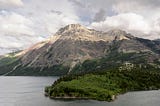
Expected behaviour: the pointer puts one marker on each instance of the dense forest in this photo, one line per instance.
(104, 85)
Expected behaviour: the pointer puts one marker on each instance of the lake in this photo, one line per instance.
(29, 91)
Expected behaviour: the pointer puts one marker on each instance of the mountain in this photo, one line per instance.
(74, 45)
(70, 45)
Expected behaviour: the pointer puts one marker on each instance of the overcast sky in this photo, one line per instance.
(25, 22)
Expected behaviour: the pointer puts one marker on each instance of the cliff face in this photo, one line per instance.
(74, 44)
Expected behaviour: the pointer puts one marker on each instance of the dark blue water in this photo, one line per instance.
(29, 91)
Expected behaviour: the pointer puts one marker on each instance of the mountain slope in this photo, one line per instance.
(74, 44)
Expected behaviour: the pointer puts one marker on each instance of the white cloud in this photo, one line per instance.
(16, 31)
(54, 21)
(15, 24)
(128, 21)
(4, 4)
(48, 20)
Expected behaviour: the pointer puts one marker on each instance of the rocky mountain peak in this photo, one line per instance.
(119, 34)
(72, 28)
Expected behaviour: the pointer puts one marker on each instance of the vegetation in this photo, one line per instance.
(8, 63)
(56, 70)
(7, 60)
(11, 66)
(111, 61)
(104, 85)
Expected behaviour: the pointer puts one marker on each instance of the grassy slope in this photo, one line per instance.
(7, 64)
(102, 86)
(10, 61)
(57, 70)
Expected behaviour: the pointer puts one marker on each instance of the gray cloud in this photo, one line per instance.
(152, 3)
(100, 16)
(57, 12)
(78, 3)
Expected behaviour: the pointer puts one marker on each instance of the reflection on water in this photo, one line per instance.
(29, 91)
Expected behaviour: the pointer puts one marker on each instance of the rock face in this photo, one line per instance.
(75, 43)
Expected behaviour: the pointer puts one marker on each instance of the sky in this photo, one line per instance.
(26, 22)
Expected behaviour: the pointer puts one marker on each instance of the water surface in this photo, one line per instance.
(29, 91)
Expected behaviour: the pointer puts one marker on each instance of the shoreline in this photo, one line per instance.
(114, 97)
